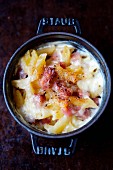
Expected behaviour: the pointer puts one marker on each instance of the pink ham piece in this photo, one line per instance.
(45, 121)
(56, 56)
(42, 121)
(77, 111)
(82, 94)
(20, 74)
(75, 56)
(96, 100)
(62, 91)
(48, 75)
(71, 110)
(63, 65)
(39, 100)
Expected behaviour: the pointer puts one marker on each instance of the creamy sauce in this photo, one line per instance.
(93, 83)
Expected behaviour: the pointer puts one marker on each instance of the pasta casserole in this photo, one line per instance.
(57, 88)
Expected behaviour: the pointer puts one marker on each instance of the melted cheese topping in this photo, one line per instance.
(63, 90)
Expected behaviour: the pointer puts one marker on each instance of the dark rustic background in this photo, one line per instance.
(18, 23)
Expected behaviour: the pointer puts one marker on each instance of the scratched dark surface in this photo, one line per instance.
(18, 23)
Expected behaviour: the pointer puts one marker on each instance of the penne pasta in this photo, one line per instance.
(19, 100)
(59, 125)
(83, 102)
(57, 89)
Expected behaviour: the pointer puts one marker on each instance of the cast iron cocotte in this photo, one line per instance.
(34, 42)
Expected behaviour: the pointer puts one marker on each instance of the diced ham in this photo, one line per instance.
(20, 74)
(67, 111)
(81, 114)
(63, 65)
(48, 75)
(75, 56)
(80, 93)
(42, 121)
(39, 100)
(56, 56)
(62, 90)
(45, 121)
(70, 110)
(96, 100)
(86, 114)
